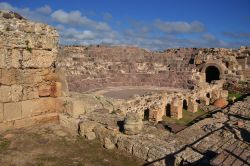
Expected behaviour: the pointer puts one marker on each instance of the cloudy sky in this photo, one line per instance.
(152, 24)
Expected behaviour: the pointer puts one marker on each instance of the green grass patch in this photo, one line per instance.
(4, 144)
(187, 117)
(234, 97)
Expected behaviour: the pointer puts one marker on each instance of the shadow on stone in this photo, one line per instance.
(121, 125)
(245, 135)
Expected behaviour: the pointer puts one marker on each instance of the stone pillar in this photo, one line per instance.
(133, 123)
(192, 105)
(29, 86)
(176, 108)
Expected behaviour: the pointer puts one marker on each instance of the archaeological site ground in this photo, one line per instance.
(119, 105)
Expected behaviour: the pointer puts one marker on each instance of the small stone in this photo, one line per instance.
(90, 135)
(60, 133)
(108, 144)
(240, 123)
(9, 136)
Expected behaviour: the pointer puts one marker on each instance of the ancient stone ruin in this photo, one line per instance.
(127, 98)
(29, 86)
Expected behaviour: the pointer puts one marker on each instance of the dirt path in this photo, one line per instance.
(49, 145)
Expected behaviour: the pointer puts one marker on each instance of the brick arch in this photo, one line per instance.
(220, 67)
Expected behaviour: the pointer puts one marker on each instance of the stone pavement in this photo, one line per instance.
(222, 139)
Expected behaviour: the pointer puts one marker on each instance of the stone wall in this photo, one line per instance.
(94, 67)
(29, 86)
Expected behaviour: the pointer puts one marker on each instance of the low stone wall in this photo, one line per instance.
(29, 86)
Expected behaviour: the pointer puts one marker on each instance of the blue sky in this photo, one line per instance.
(152, 24)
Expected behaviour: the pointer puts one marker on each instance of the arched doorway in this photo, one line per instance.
(168, 110)
(212, 73)
(184, 104)
(146, 115)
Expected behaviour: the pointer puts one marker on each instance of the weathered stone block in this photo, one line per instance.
(38, 58)
(31, 76)
(16, 93)
(40, 106)
(86, 127)
(90, 135)
(76, 108)
(12, 111)
(15, 58)
(69, 123)
(57, 89)
(133, 123)
(44, 90)
(3, 53)
(30, 93)
(8, 76)
(126, 144)
(41, 119)
(5, 93)
(108, 144)
(1, 112)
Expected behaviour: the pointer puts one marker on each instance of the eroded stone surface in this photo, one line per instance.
(28, 52)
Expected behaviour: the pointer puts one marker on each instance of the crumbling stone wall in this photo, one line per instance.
(29, 86)
(93, 67)
(232, 64)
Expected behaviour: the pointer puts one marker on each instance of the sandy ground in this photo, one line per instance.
(49, 145)
(129, 92)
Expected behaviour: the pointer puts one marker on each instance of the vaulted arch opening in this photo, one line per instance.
(184, 104)
(146, 115)
(212, 73)
(168, 110)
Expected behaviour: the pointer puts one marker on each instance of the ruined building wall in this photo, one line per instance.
(93, 67)
(29, 86)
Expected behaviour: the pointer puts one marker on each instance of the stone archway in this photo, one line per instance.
(146, 115)
(184, 104)
(168, 110)
(212, 73)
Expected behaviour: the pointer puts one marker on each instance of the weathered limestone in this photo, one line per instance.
(1, 112)
(90, 135)
(5, 93)
(76, 108)
(176, 108)
(192, 105)
(28, 82)
(38, 58)
(12, 111)
(108, 144)
(68, 123)
(133, 124)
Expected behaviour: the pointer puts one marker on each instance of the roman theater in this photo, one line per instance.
(173, 107)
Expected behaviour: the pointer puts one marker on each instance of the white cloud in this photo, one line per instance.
(179, 26)
(46, 9)
(208, 37)
(75, 18)
(75, 28)
(6, 6)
